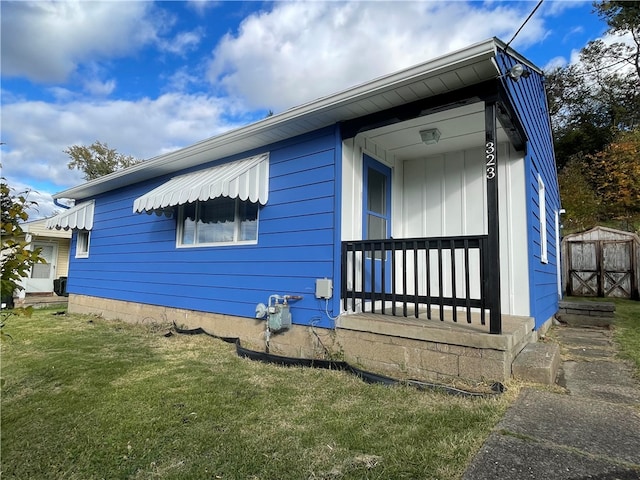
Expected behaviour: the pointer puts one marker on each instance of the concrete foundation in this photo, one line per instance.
(428, 350)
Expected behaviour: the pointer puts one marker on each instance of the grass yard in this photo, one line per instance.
(84, 398)
(627, 330)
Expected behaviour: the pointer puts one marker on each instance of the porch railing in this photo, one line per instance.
(445, 276)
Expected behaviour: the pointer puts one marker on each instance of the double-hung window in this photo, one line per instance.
(82, 244)
(220, 221)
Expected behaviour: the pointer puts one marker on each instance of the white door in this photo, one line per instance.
(43, 274)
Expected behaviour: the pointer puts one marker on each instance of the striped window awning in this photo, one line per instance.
(246, 179)
(77, 217)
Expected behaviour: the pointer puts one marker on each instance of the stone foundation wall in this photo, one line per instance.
(406, 358)
(299, 341)
(391, 355)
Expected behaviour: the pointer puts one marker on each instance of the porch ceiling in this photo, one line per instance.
(460, 128)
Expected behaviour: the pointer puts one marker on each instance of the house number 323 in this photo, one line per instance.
(490, 153)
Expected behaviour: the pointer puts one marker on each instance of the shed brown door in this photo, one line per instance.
(602, 268)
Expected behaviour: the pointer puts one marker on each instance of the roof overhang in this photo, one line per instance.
(450, 72)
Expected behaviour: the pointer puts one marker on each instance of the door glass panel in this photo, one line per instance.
(376, 227)
(43, 270)
(376, 192)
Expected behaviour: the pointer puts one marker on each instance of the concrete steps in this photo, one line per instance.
(41, 301)
(586, 314)
(537, 363)
(540, 362)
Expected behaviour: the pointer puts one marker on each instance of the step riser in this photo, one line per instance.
(537, 363)
(584, 320)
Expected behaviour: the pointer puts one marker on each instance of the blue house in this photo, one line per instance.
(408, 224)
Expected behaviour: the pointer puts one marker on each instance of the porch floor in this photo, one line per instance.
(516, 330)
(41, 300)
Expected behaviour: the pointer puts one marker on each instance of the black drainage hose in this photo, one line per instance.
(368, 377)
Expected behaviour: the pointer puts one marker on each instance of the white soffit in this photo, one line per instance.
(246, 179)
(78, 217)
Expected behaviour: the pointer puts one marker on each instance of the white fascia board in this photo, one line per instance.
(205, 151)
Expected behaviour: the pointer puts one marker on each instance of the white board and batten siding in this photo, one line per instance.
(445, 195)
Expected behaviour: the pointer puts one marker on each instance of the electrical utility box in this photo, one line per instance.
(324, 288)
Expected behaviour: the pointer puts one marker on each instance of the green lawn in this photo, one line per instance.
(84, 398)
(627, 330)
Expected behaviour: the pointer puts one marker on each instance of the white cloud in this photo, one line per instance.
(303, 50)
(555, 62)
(608, 39)
(45, 41)
(43, 205)
(559, 7)
(181, 80)
(37, 133)
(183, 42)
(201, 6)
(100, 89)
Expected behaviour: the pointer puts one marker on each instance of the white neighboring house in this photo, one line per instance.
(55, 246)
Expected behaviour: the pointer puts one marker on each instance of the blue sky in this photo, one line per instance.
(151, 77)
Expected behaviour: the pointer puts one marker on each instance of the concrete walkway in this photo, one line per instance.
(590, 432)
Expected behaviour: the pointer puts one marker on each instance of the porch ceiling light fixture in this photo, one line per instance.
(518, 71)
(430, 137)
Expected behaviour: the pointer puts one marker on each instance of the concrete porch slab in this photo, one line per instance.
(429, 349)
(41, 301)
(514, 330)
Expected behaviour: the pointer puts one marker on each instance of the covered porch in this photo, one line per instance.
(434, 267)
(435, 227)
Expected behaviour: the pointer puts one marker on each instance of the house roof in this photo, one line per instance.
(469, 66)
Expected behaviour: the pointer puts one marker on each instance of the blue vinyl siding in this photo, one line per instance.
(529, 100)
(133, 257)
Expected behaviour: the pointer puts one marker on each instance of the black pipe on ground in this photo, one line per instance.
(369, 377)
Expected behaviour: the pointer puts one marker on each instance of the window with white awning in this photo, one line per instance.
(246, 180)
(78, 217)
(216, 206)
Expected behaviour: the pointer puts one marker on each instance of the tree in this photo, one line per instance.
(615, 174)
(578, 197)
(16, 257)
(599, 95)
(97, 159)
(622, 17)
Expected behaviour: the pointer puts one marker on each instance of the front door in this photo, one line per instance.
(42, 274)
(376, 222)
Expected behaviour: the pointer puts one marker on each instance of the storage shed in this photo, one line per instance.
(602, 262)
